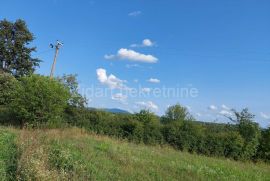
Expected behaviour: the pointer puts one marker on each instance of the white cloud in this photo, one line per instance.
(109, 57)
(264, 116)
(147, 105)
(153, 80)
(120, 98)
(212, 107)
(223, 106)
(146, 90)
(111, 81)
(226, 113)
(135, 13)
(132, 55)
(145, 43)
(136, 80)
(188, 108)
(198, 114)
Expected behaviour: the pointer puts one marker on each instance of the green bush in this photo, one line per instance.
(184, 135)
(132, 130)
(233, 145)
(214, 144)
(224, 144)
(251, 133)
(8, 87)
(264, 147)
(151, 127)
(6, 116)
(39, 100)
(237, 141)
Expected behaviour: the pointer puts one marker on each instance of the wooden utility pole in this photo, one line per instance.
(57, 47)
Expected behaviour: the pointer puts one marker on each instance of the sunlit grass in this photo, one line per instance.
(74, 154)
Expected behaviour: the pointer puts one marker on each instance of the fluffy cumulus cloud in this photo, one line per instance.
(153, 80)
(120, 98)
(147, 105)
(127, 54)
(135, 13)
(226, 113)
(264, 116)
(111, 81)
(212, 107)
(223, 106)
(145, 43)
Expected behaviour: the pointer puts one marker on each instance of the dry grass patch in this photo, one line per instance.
(33, 163)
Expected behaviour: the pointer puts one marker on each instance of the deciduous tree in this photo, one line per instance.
(15, 50)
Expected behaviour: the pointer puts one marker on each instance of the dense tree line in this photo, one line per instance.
(243, 140)
(30, 100)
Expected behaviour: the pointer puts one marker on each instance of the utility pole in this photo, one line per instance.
(57, 47)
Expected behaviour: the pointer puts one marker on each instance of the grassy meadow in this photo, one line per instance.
(74, 154)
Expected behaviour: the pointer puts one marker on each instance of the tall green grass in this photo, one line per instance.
(8, 155)
(92, 157)
(74, 154)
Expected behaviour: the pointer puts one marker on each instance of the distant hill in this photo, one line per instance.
(116, 110)
(111, 110)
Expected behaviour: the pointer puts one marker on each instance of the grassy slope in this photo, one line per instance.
(73, 154)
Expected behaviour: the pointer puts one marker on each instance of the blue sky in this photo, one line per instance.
(220, 48)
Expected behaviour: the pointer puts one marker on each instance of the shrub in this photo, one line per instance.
(76, 116)
(39, 100)
(132, 130)
(184, 135)
(224, 144)
(8, 86)
(264, 147)
(214, 144)
(233, 145)
(250, 132)
(238, 141)
(151, 127)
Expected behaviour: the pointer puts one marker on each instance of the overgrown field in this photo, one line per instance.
(74, 154)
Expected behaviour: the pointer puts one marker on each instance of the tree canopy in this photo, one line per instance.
(39, 99)
(176, 113)
(15, 49)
